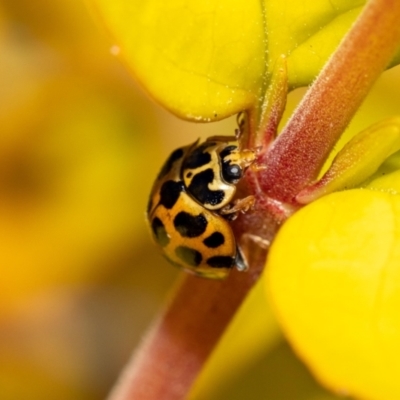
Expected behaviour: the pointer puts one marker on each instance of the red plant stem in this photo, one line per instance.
(181, 339)
(297, 156)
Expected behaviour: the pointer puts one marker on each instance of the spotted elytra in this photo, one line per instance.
(191, 204)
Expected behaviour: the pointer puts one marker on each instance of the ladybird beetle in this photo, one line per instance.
(191, 203)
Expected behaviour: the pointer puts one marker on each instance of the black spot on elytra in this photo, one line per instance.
(160, 232)
(175, 156)
(197, 158)
(190, 225)
(188, 255)
(226, 151)
(214, 240)
(169, 193)
(221, 262)
(199, 189)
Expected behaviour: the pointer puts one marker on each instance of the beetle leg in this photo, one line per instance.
(221, 138)
(240, 260)
(249, 248)
(255, 167)
(238, 205)
(258, 240)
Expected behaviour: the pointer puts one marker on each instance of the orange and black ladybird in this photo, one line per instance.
(191, 204)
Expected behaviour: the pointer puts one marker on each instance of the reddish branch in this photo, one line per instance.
(179, 342)
(300, 151)
(181, 339)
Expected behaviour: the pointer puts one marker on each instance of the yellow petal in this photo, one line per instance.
(307, 32)
(334, 279)
(358, 160)
(388, 183)
(201, 59)
(207, 60)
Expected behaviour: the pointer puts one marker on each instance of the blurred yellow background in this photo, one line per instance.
(80, 146)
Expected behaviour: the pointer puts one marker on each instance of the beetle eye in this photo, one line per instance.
(231, 172)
